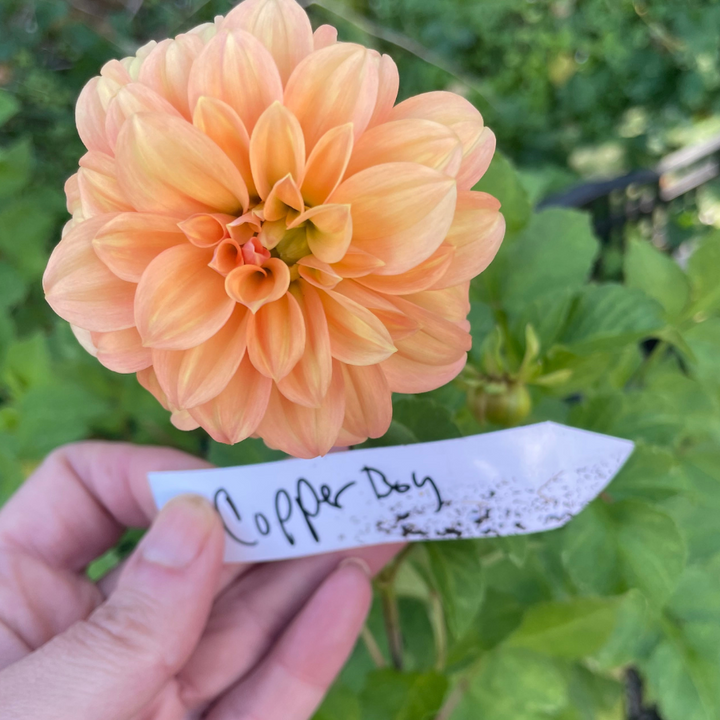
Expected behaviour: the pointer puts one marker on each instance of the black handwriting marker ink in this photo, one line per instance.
(382, 478)
(428, 479)
(284, 517)
(222, 495)
(315, 499)
(336, 502)
(263, 529)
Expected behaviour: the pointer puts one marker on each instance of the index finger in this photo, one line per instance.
(76, 505)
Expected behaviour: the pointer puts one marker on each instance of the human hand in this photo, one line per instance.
(173, 634)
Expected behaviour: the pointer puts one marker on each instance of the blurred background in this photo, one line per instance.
(601, 311)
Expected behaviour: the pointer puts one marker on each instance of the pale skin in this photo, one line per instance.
(173, 634)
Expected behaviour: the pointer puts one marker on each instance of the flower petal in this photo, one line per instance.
(284, 196)
(450, 303)
(408, 376)
(368, 401)
(129, 242)
(327, 163)
(98, 186)
(225, 128)
(333, 86)
(317, 272)
(324, 36)
(166, 165)
(184, 421)
(237, 411)
(122, 351)
(282, 26)
(148, 379)
(236, 68)
(420, 141)
(205, 230)
(72, 194)
(400, 212)
(180, 301)
(227, 256)
(277, 148)
(476, 233)
(357, 337)
(308, 382)
(90, 118)
(81, 289)
(276, 337)
(328, 230)
(257, 285)
(388, 86)
(357, 263)
(301, 431)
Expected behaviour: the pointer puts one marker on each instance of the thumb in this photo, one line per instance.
(113, 664)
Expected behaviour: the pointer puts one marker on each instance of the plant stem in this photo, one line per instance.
(391, 614)
(453, 699)
(439, 631)
(373, 648)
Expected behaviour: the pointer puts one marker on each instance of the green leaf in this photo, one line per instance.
(704, 342)
(15, 167)
(9, 106)
(657, 275)
(592, 696)
(651, 473)
(247, 452)
(340, 702)
(702, 271)
(610, 548)
(425, 419)
(27, 364)
(390, 695)
(569, 628)
(12, 286)
(503, 182)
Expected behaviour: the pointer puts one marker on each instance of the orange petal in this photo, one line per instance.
(129, 242)
(284, 196)
(206, 230)
(388, 86)
(180, 301)
(81, 289)
(168, 166)
(226, 256)
(193, 377)
(326, 165)
(72, 194)
(331, 87)
(84, 337)
(184, 421)
(400, 212)
(237, 411)
(308, 382)
(225, 128)
(282, 26)
(407, 376)
(450, 303)
(357, 337)
(324, 36)
(477, 230)
(276, 337)
(420, 141)
(122, 351)
(368, 401)
(90, 118)
(131, 99)
(244, 227)
(148, 379)
(256, 285)
(357, 263)
(236, 68)
(301, 431)
(328, 230)
(98, 186)
(464, 119)
(166, 69)
(421, 277)
(277, 148)
(317, 272)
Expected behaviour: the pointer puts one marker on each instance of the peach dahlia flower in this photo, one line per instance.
(265, 238)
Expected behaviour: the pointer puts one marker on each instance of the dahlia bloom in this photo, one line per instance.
(267, 239)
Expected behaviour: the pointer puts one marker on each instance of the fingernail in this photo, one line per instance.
(356, 562)
(179, 532)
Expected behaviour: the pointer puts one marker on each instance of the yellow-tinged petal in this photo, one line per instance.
(225, 128)
(131, 99)
(333, 86)
(205, 230)
(317, 272)
(328, 230)
(419, 141)
(400, 212)
(464, 119)
(184, 421)
(308, 382)
(84, 337)
(284, 197)
(326, 165)
(357, 263)
(166, 69)
(237, 411)
(90, 118)
(98, 186)
(301, 431)
(388, 86)
(166, 165)
(129, 242)
(408, 376)
(236, 68)
(180, 301)
(81, 289)
(72, 194)
(324, 36)
(421, 277)
(476, 233)
(368, 401)
(282, 26)
(450, 303)
(194, 377)
(257, 285)
(357, 337)
(148, 379)
(276, 337)
(277, 148)
(122, 350)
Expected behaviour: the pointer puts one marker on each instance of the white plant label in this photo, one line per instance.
(511, 482)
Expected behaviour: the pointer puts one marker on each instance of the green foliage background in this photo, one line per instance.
(522, 628)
